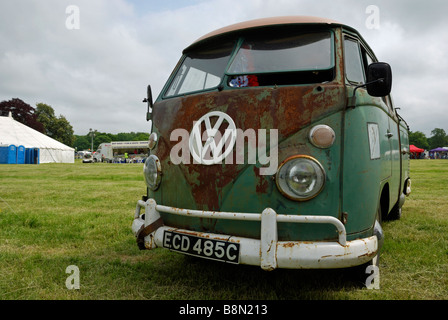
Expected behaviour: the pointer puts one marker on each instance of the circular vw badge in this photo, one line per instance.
(212, 138)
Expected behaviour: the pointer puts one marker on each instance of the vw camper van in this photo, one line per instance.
(275, 143)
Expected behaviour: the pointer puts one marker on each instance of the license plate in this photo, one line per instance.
(202, 247)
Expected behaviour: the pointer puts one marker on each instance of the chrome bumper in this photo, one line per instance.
(268, 252)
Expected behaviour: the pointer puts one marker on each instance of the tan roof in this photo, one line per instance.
(269, 22)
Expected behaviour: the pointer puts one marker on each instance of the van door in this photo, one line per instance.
(371, 146)
(390, 132)
(393, 135)
(392, 154)
(366, 148)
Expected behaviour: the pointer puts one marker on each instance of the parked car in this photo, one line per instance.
(87, 157)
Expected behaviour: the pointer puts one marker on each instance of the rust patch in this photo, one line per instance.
(286, 109)
(294, 244)
(202, 235)
(262, 185)
(288, 245)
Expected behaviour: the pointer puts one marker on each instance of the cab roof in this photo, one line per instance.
(266, 22)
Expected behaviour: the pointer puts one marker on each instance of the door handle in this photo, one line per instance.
(389, 134)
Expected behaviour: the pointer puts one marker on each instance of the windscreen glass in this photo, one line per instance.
(201, 70)
(303, 52)
(264, 59)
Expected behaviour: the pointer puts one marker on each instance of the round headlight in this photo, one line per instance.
(152, 140)
(322, 136)
(152, 170)
(300, 178)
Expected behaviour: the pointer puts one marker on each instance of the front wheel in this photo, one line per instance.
(367, 273)
(378, 232)
(395, 213)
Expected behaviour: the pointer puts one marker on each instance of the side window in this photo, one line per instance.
(367, 59)
(354, 69)
(388, 101)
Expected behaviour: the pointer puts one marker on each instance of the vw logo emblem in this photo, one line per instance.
(216, 146)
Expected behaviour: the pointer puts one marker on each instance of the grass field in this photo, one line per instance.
(53, 216)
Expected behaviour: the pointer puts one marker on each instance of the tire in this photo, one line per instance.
(395, 213)
(379, 233)
(365, 271)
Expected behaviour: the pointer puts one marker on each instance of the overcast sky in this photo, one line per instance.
(95, 73)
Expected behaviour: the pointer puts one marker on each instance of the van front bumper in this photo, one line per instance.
(266, 252)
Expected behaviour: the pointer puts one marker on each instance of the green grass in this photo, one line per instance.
(56, 215)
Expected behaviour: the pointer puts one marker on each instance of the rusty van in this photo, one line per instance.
(275, 143)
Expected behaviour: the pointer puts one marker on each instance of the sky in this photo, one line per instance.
(92, 60)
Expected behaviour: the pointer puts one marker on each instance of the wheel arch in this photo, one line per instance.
(384, 201)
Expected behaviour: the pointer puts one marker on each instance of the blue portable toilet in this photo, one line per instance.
(28, 157)
(8, 154)
(20, 155)
(3, 153)
(32, 155)
(36, 156)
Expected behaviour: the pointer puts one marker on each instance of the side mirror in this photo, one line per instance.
(148, 99)
(379, 79)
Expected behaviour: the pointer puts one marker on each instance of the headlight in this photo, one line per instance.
(152, 170)
(300, 178)
(408, 187)
(152, 140)
(322, 136)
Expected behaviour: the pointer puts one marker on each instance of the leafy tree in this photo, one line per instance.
(141, 136)
(418, 139)
(438, 138)
(45, 115)
(122, 136)
(58, 128)
(63, 131)
(101, 138)
(81, 143)
(22, 112)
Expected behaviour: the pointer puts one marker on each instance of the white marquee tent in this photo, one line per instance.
(15, 133)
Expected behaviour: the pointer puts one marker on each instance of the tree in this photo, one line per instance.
(45, 115)
(58, 128)
(100, 138)
(81, 143)
(141, 136)
(438, 138)
(122, 136)
(21, 112)
(418, 139)
(63, 131)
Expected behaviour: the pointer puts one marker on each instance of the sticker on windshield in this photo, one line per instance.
(374, 140)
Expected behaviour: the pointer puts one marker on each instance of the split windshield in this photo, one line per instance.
(259, 61)
(298, 53)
